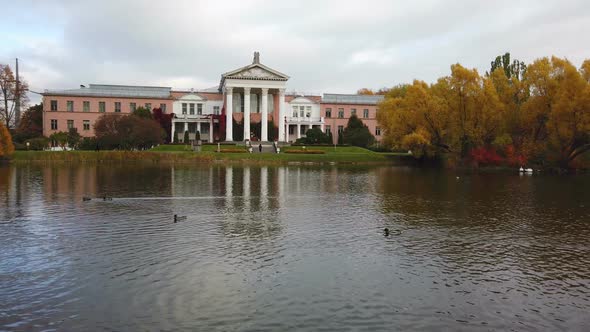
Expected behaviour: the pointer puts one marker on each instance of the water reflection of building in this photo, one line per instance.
(249, 198)
(63, 182)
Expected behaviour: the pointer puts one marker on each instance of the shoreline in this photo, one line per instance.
(294, 159)
(208, 157)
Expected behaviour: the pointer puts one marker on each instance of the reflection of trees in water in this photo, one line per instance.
(20, 190)
(133, 179)
(489, 221)
(8, 192)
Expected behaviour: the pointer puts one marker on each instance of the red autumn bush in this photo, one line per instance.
(486, 156)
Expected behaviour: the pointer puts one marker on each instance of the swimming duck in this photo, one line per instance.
(386, 232)
(84, 199)
(178, 218)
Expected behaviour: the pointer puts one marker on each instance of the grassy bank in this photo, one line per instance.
(177, 154)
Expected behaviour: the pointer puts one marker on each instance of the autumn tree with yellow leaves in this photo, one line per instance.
(541, 115)
(6, 146)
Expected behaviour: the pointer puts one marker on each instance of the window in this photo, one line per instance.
(295, 111)
(86, 124)
(340, 113)
(377, 131)
(199, 109)
(117, 107)
(365, 113)
(148, 106)
(328, 129)
(163, 108)
(183, 108)
(192, 109)
(70, 106)
(328, 112)
(352, 111)
(216, 110)
(340, 129)
(53, 124)
(301, 111)
(303, 130)
(54, 105)
(86, 106)
(308, 111)
(132, 107)
(70, 124)
(291, 129)
(101, 106)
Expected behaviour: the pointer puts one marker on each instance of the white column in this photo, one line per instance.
(172, 131)
(323, 128)
(211, 131)
(246, 113)
(185, 127)
(264, 119)
(199, 127)
(298, 130)
(310, 126)
(282, 134)
(229, 136)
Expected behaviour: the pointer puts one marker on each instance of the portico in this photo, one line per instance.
(257, 92)
(193, 114)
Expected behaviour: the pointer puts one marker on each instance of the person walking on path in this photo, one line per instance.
(260, 147)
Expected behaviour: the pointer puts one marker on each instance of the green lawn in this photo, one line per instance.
(180, 153)
(187, 148)
(338, 154)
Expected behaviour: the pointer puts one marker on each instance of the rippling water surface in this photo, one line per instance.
(291, 249)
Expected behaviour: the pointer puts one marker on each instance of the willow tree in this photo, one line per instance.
(457, 113)
(512, 93)
(416, 120)
(558, 110)
(541, 116)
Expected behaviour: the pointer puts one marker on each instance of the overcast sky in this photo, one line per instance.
(325, 46)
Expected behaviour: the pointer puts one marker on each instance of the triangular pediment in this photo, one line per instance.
(302, 100)
(192, 97)
(256, 71)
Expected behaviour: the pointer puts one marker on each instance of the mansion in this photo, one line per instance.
(251, 96)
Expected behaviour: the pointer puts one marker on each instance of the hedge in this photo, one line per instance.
(305, 151)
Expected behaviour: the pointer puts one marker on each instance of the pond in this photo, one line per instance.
(291, 248)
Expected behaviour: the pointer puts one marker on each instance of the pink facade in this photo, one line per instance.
(84, 119)
(241, 96)
(336, 117)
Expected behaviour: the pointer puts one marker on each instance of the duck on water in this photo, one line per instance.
(387, 232)
(178, 218)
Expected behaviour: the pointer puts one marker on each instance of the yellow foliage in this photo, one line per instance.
(544, 116)
(6, 146)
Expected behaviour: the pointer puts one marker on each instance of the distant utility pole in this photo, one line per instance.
(17, 99)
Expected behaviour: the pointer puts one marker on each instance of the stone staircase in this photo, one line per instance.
(267, 147)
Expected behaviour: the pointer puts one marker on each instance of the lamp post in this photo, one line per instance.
(28, 145)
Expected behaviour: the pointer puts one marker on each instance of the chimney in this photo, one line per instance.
(256, 58)
(82, 86)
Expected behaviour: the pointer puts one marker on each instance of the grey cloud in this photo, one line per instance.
(325, 46)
